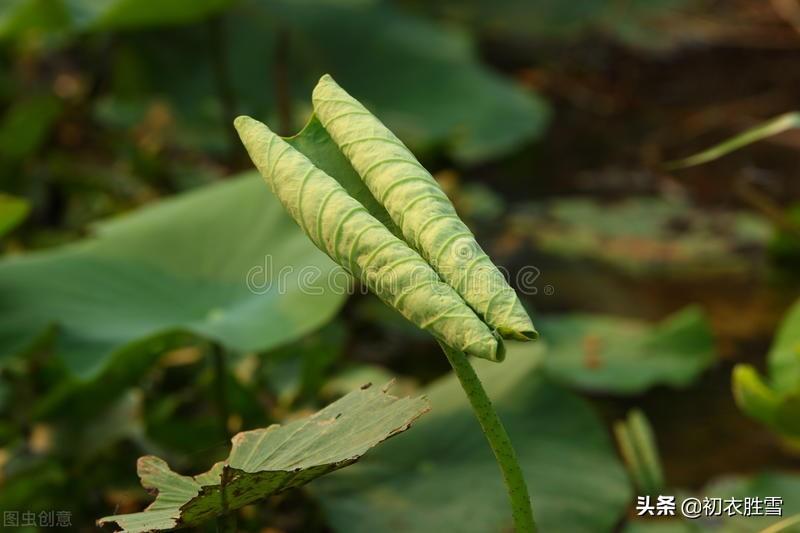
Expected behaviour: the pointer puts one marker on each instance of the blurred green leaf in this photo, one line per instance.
(120, 420)
(630, 21)
(23, 16)
(601, 353)
(223, 262)
(26, 125)
(13, 211)
(769, 128)
(18, 17)
(425, 81)
(785, 246)
(443, 473)
(298, 370)
(140, 13)
(263, 462)
(648, 236)
(776, 404)
(182, 409)
(637, 445)
(26, 485)
(374, 312)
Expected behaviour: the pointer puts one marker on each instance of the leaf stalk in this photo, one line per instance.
(497, 436)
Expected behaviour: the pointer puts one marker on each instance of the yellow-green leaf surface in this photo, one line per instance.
(26, 125)
(223, 262)
(777, 401)
(13, 211)
(316, 144)
(601, 353)
(345, 230)
(266, 461)
(443, 473)
(420, 208)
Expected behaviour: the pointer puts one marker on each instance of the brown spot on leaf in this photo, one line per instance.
(592, 348)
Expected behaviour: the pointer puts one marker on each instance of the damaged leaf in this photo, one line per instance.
(626, 356)
(266, 461)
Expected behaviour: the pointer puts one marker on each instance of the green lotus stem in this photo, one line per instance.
(499, 441)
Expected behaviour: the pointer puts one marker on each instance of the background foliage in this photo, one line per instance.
(140, 311)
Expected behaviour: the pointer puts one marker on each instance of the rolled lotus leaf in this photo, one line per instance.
(342, 227)
(419, 206)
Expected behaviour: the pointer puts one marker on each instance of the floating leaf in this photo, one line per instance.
(777, 404)
(443, 473)
(266, 461)
(631, 22)
(431, 89)
(626, 356)
(13, 211)
(223, 262)
(648, 236)
(769, 128)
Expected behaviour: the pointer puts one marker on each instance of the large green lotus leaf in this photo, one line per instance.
(425, 80)
(223, 262)
(776, 403)
(784, 486)
(648, 236)
(609, 354)
(266, 461)
(442, 476)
